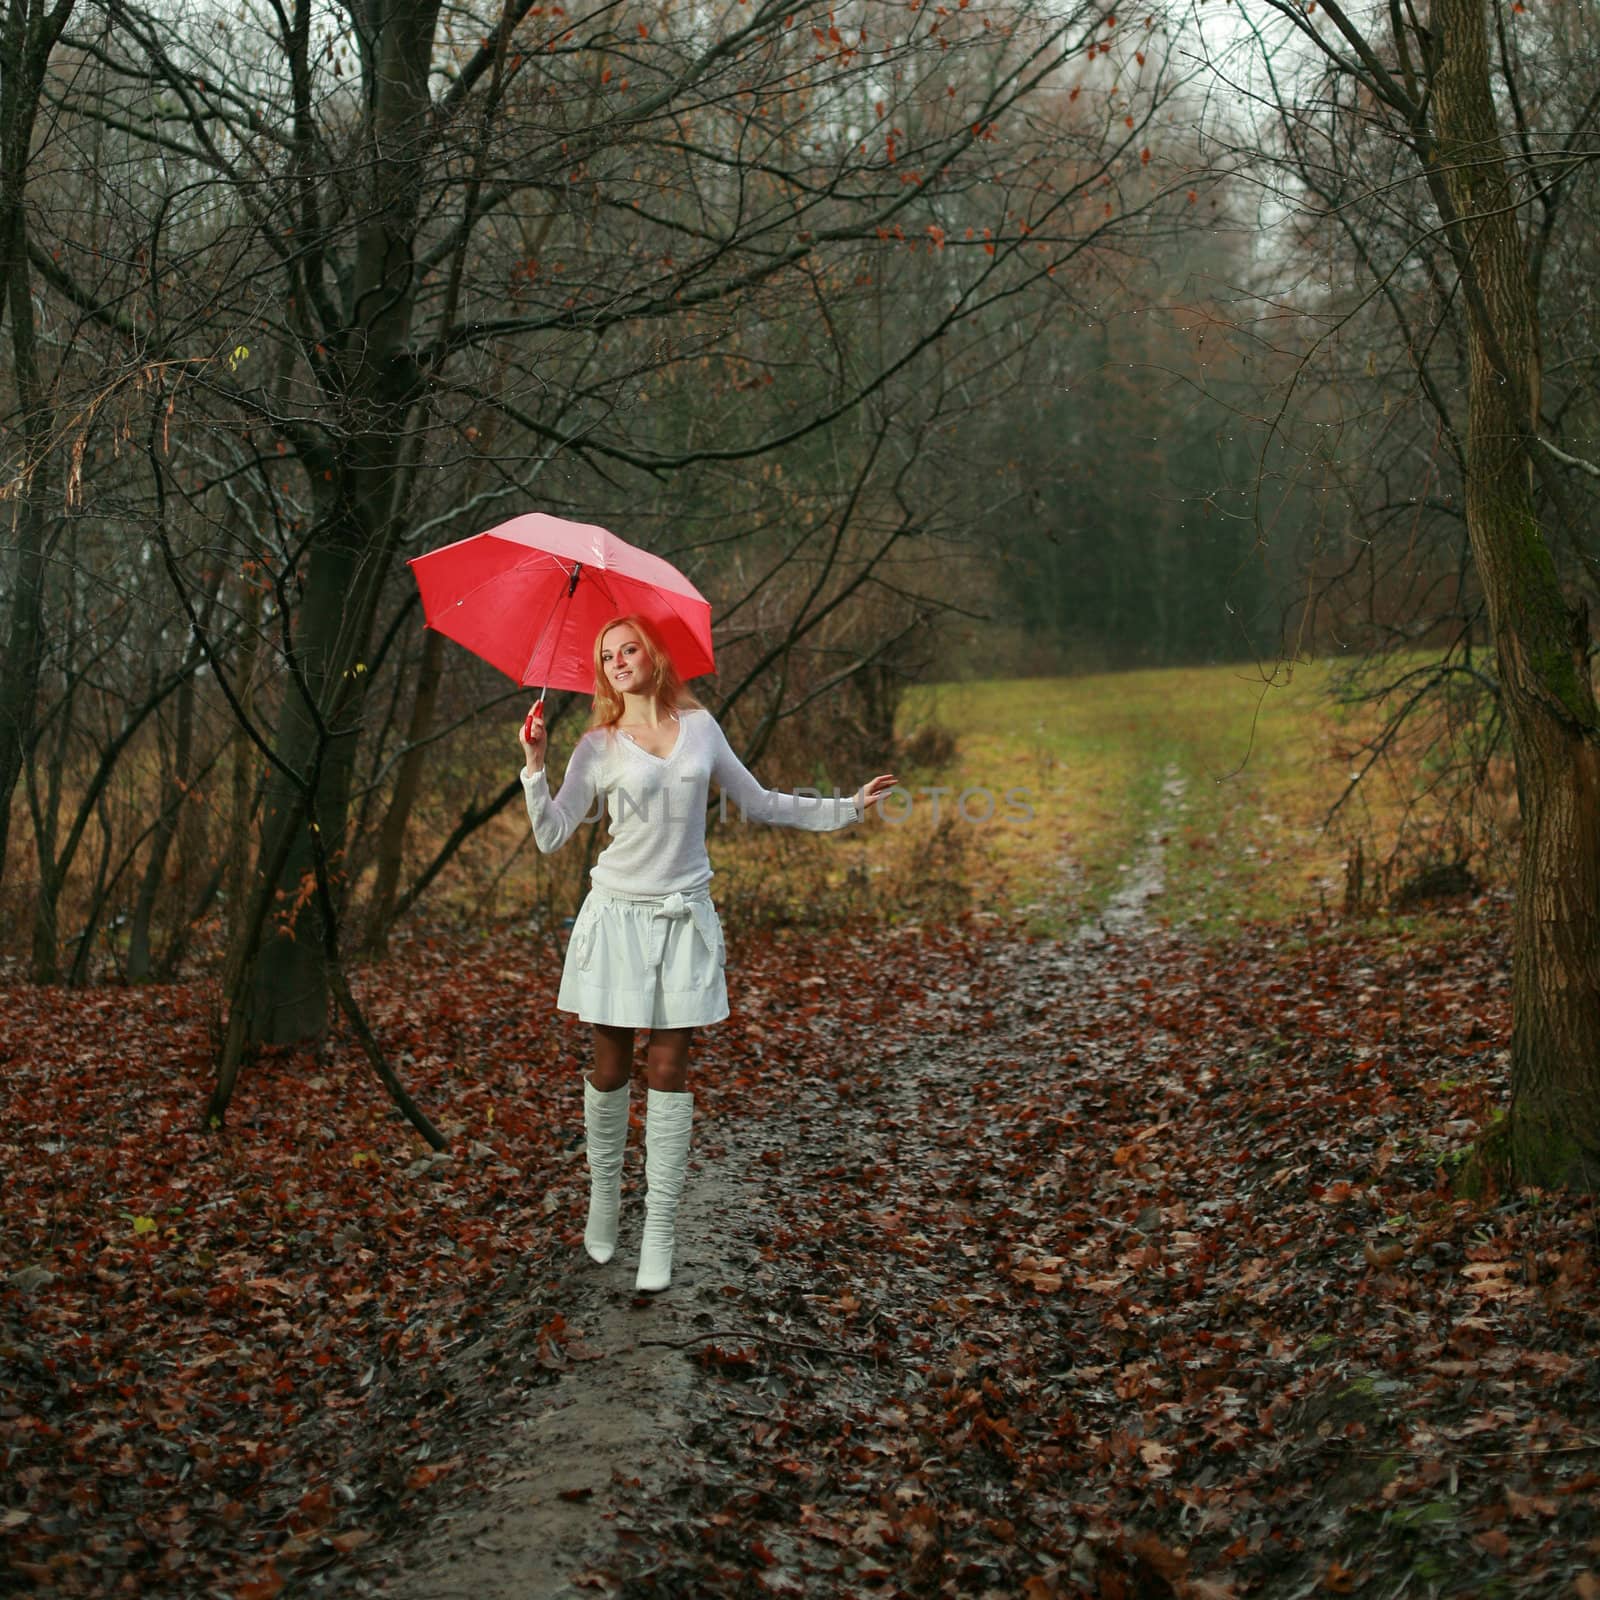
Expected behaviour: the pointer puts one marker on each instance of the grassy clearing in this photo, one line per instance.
(1231, 772)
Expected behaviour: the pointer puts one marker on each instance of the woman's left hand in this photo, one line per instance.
(869, 794)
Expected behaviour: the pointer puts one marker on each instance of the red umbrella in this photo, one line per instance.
(530, 595)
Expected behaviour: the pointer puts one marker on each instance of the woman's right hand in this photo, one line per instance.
(533, 739)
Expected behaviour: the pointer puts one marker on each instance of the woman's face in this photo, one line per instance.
(624, 660)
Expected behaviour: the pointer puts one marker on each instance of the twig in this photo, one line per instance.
(1570, 461)
(761, 1338)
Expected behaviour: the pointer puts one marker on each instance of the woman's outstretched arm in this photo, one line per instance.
(817, 813)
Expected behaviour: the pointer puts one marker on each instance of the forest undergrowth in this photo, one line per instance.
(1129, 1269)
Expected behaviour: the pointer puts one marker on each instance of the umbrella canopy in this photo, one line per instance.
(530, 595)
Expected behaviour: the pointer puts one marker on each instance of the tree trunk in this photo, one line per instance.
(1553, 1133)
(290, 997)
(23, 652)
(44, 967)
(27, 36)
(407, 785)
(140, 960)
(244, 782)
(80, 970)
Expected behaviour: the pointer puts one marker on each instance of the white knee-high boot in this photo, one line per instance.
(668, 1120)
(605, 1128)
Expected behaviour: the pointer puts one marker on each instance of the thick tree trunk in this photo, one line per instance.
(23, 652)
(1553, 1133)
(27, 36)
(290, 997)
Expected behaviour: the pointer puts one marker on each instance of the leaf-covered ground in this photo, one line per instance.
(1106, 1269)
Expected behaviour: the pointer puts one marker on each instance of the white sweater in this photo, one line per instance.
(657, 805)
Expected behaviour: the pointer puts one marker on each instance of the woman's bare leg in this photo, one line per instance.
(667, 1058)
(613, 1056)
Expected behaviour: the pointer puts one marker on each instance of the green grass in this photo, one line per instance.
(1259, 762)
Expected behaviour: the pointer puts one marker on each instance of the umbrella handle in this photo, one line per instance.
(538, 711)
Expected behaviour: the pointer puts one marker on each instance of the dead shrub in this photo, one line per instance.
(1433, 881)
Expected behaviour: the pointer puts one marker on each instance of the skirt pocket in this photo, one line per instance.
(580, 947)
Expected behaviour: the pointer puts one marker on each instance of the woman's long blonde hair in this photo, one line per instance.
(669, 690)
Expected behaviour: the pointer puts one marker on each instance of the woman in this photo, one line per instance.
(646, 950)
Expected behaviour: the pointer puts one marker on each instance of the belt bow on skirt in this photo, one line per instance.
(698, 909)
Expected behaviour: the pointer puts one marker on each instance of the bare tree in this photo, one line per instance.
(1477, 211)
(643, 190)
(28, 34)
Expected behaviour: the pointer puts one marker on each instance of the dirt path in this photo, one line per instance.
(583, 1471)
(1127, 911)
(1143, 878)
(586, 1476)
(614, 1421)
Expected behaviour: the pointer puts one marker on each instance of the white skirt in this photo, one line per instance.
(645, 961)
